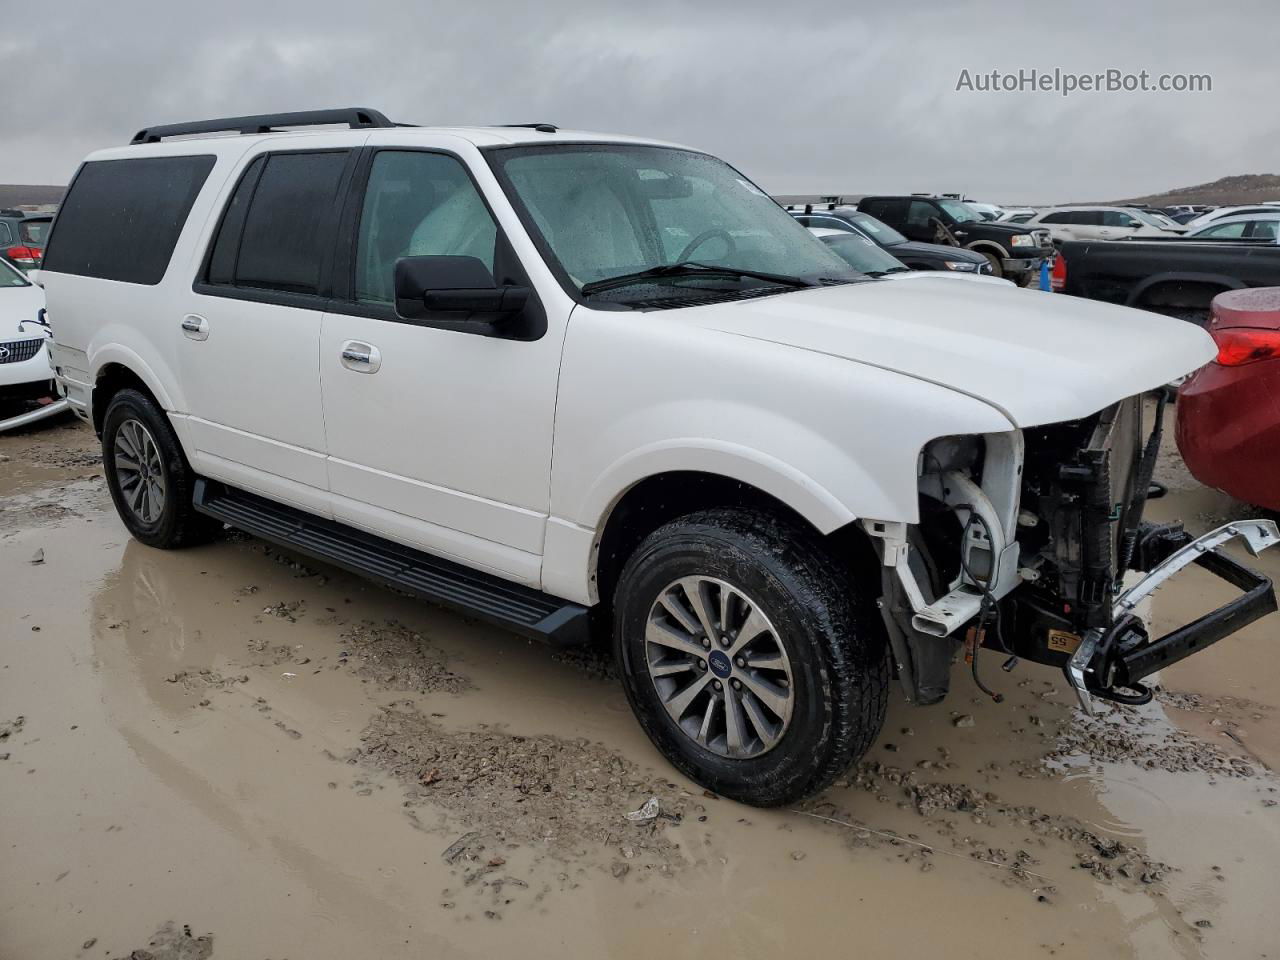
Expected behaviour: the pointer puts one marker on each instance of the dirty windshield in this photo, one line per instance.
(607, 212)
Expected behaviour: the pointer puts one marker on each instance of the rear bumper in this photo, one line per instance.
(1114, 660)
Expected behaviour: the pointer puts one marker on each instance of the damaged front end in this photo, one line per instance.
(1032, 543)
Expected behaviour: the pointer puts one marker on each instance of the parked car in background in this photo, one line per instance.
(916, 255)
(866, 256)
(23, 236)
(1219, 212)
(25, 373)
(1017, 214)
(1177, 276)
(1249, 226)
(1100, 223)
(989, 211)
(1228, 427)
(1161, 219)
(1013, 250)
(1184, 217)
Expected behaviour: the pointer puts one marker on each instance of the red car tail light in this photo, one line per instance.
(1240, 345)
(1058, 276)
(28, 256)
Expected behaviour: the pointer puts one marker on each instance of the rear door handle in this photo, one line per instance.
(360, 356)
(195, 327)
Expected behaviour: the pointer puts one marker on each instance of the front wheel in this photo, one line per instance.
(747, 656)
(997, 265)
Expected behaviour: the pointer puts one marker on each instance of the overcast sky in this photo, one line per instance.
(826, 96)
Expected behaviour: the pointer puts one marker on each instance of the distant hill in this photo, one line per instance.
(27, 195)
(1229, 191)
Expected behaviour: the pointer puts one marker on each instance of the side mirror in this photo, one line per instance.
(433, 284)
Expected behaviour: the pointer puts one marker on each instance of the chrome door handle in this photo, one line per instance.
(195, 327)
(360, 357)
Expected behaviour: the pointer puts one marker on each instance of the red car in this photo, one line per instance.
(1229, 411)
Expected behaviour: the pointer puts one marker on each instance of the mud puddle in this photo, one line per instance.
(231, 739)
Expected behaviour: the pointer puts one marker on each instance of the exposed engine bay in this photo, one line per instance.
(1032, 543)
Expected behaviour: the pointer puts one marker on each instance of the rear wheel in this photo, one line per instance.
(747, 656)
(147, 474)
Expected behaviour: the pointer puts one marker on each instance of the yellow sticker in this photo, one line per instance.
(1063, 642)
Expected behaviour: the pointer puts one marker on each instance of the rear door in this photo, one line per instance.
(250, 329)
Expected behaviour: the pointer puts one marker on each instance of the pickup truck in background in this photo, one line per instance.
(1176, 277)
(1013, 250)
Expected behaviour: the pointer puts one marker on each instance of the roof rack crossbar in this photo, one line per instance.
(354, 117)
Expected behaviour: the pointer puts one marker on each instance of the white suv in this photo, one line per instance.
(553, 377)
(1102, 223)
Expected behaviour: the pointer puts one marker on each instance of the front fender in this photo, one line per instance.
(832, 438)
(767, 473)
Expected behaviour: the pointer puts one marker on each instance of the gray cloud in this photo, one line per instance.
(816, 97)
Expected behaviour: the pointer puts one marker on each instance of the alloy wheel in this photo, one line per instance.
(719, 667)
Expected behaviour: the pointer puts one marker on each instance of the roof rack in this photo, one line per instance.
(354, 117)
(540, 127)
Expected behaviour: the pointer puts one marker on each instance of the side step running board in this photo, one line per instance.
(481, 595)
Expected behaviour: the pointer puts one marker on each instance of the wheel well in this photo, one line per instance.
(1186, 294)
(988, 246)
(660, 499)
(113, 378)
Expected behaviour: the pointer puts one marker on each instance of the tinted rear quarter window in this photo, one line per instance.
(121, 218)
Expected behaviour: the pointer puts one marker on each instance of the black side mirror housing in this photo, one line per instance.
(435, 284)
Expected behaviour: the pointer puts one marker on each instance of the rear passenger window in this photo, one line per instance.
(278, 228)
(121, 218)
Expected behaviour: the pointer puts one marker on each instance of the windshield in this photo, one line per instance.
(863, 254)
(960, 212)
(34, 231)
(11, 276)
(882, 232)
(604, 211)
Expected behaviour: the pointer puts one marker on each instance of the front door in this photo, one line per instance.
(439, 435)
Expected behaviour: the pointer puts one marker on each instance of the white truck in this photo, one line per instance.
(579, 384)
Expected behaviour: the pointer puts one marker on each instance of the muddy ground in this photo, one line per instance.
(231, 752)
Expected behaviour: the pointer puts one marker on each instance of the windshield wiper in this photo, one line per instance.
(690, 268)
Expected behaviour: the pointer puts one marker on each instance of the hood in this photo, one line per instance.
(947, 275)
(16, 305)
(1037, 357)
(939, 251)
(997, 228)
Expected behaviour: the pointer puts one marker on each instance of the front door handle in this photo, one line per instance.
(360, 356)
(195, 327)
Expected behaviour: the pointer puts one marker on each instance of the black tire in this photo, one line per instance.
(997, 265)
(176, 524)
(836, 648)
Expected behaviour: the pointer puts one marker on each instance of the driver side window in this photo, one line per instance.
(418, 204)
